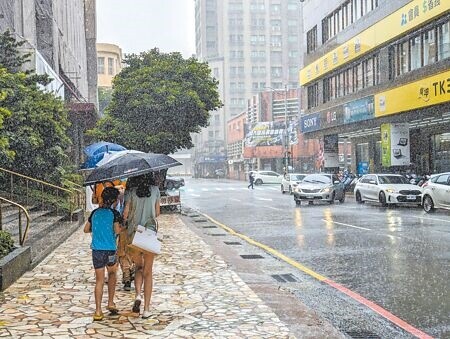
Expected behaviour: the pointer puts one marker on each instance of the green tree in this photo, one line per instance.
(158, 101)
(33, 122)
(10, 56)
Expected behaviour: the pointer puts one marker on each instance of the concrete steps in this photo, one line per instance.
(46, 232)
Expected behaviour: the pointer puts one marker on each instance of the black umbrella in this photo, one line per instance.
(130, 165)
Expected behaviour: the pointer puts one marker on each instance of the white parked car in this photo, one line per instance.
(387, 189)
(267, 177)
(290, 182)
(436, 192)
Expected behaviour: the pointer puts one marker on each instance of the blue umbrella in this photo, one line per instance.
(91, 162)
(102, 147)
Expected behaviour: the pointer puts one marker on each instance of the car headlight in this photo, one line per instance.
(296, 189)
(390, 190)
(326, 190)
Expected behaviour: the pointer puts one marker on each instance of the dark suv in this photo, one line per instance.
(173, 182)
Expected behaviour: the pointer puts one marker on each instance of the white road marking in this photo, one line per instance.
(274, 208)
(204, 189)
(235, 199)
(348, 225)
(218, 189)
(427, 218)
(264, 199)
(196, 195)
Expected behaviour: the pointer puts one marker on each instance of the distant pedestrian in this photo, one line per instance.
(104, 224)
(142, 207)
(251, 179)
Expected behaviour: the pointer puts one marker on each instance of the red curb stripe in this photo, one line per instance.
(386, 314)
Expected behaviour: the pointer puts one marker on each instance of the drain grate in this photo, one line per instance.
(217, 234)
(232, 243)
(209, 226)
(283, 278)
(200, 220)
(251, 256)
(362, 335)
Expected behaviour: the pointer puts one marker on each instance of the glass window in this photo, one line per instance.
(368, 73)
(101, 65)
(275, 8)
(416, 52)
(442, 179)
(110, 66)
(403, 57)
(444, 41)
(429, 47)
(359, 76)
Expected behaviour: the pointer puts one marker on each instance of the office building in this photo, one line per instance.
(376, 73)
(250, 45)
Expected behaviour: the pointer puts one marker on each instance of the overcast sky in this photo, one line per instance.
(140, 25)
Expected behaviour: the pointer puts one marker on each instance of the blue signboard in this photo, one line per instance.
(310, 122)
(363, 167)
(358, 110)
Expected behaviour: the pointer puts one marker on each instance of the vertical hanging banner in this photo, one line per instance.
(331, 150)
(400, 145)
(395, 145)
(386, 145)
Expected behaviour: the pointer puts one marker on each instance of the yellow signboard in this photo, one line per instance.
(405, 19)
(426, 92)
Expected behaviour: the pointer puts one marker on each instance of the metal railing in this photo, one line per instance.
(31, 192)
(22, 233)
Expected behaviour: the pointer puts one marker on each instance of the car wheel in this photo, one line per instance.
(310, 202)
(258, 182)
(359, 198)
(290, 190)
(428, 204)
(282, 189)
(333, 196)
(342, 200)
(170, 185)
(382, 199)
(298, 202)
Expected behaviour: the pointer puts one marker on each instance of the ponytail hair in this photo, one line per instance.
(144, 184)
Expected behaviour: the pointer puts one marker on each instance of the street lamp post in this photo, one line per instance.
(286, 134)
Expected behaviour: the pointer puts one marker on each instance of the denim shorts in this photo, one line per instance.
(102, 258)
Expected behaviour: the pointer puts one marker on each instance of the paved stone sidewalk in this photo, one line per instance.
(195, 296)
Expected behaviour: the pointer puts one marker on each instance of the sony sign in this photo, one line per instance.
(310, 122)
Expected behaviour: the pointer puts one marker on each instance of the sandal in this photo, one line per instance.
(112, 309)
(137, 306)
(97, 317)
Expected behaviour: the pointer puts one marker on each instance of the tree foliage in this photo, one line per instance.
(104, 99)
(158, 101)
(33, 122)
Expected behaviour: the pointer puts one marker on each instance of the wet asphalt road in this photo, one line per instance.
(395, 257)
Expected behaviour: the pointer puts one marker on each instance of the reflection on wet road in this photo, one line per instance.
(395, 257)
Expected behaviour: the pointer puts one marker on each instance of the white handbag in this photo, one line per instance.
(145, 239)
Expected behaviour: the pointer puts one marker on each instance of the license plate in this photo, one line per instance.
(411, 197)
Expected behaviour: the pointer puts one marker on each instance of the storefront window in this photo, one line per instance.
(441, 152)
(444, 41)
(416, 55)
(429, 48)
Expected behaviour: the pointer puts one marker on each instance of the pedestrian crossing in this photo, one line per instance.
(195, 191)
